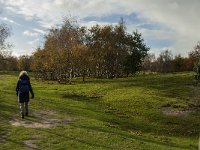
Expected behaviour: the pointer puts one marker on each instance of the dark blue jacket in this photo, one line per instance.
(24, 97)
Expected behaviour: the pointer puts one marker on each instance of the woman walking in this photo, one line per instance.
(22, 91)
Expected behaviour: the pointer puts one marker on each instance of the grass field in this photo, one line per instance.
(121, 114)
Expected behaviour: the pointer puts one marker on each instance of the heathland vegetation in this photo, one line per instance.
(141, 112)
(129, 98)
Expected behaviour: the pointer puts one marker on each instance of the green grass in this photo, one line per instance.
(105, 114)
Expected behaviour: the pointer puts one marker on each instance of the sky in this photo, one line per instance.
(164, 24)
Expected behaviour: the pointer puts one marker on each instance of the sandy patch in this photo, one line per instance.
(31, 144)
(169, 111)
(43, 119)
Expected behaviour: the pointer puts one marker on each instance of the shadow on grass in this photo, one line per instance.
(169, 125)
(119, 134)
(7, 111)
(169, 144)
(99, 111)
(75, 139)
(77, 97)
(21, 144)
(6, 114)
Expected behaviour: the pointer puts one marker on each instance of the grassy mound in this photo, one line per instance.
(124, 113)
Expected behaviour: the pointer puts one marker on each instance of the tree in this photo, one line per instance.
(100, 51)
(164, 62)
(57, 58)
(39, 63)
(106, 45)
(82, 61)
(4, 34)
(137, 50)
(116, 51)
(194, 56)
(197, 70)
(178, 64)
(7, 62)
(148, 64)
(12, 63)
(24, 62)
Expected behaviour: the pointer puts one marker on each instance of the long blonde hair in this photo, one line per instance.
(23, 73)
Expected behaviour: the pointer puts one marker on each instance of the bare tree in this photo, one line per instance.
(164, 62)
(148, 64)
(4, 34)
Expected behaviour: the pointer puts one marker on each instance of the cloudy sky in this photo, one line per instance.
(164, 24)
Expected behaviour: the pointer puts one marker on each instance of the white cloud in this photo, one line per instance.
(8, 20)
(15, 53)
(39, 31)
(30, 33)
(49, 12)
(19, 52)
(34, 41)
(14, 2)
(92, 23)
(179, 18)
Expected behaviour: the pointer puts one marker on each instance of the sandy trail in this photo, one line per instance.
(42, 119)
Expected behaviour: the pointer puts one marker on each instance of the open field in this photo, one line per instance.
(141, 112)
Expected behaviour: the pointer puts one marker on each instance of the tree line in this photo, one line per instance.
(166, 62)
(100, 51)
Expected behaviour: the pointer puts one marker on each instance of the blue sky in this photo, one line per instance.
(164, 24)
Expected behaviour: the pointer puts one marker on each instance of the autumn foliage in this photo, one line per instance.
(101, 51)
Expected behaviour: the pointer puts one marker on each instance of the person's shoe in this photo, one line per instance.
(22, 116)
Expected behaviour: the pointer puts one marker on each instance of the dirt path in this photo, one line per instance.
(31, 144)
(169, 111)
(42, 119)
